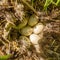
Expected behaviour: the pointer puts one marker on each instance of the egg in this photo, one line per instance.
(33, 20)
(26, 31)
(34, 38)
(38, 28)
(22, 24)
(24, 40)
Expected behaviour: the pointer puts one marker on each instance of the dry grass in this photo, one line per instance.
(13, 12)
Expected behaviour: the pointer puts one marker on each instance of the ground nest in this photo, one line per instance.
(29, 30)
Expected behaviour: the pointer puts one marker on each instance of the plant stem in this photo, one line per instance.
(29, 6)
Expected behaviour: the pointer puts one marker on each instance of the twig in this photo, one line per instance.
(1, 52)
(2, 22)
(3, 42)
(6, 6)
(30, 7)
(50, 51)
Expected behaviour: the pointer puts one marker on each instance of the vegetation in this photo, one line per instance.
(48, 2)
(30, 30)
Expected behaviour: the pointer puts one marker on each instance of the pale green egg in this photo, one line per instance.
(25, 40)
(26, 31)
(22, 24)
(33, 20)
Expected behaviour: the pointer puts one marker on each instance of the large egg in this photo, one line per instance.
(34, 38)
(26, 31)
(38, 28)
(33, 20)
(24, 40)
(22, 24)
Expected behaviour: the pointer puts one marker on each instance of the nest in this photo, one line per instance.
(13, 12)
